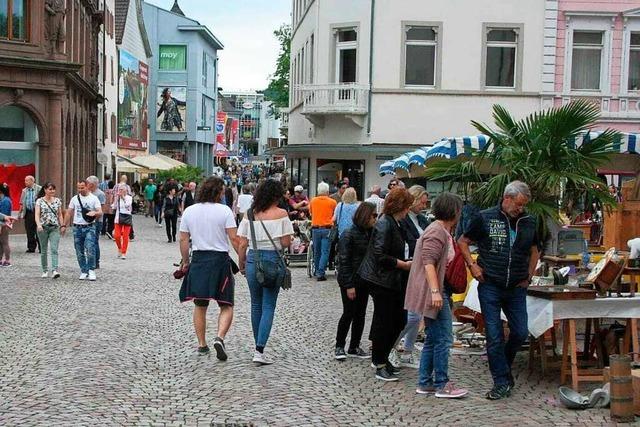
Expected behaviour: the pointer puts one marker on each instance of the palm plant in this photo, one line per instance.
(540, 151)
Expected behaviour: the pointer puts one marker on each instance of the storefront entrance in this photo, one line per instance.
(332, 171)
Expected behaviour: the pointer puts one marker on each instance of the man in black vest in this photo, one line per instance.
(508, 254)
(189, 196)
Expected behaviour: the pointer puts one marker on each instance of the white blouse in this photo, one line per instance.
(122, 205)
(277, 228)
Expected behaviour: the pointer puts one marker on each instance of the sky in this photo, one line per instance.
(245, 28)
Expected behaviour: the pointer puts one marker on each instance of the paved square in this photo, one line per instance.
(121, 351)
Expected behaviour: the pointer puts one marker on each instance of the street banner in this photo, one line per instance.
(172, 109)
(133, 81)
(221, 123)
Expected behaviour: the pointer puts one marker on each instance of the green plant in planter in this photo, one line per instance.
(540, 151)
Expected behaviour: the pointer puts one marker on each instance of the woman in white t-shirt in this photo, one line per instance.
(210, 225)
(245, 200)
(122, 207)
(272, 227)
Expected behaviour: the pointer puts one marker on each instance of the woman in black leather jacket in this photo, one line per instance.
(355, 295)
(382, 269)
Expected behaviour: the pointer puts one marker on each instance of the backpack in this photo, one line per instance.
(456, 272)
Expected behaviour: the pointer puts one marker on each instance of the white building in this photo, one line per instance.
(435, 67)
(108, 88)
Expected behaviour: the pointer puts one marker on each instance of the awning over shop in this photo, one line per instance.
(126, 165)
(156, 162)
(414, 162)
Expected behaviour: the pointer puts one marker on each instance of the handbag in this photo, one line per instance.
(269, 274)
(169, 212)
(333, 233)
(123, 218)
(456, 272)
(88, 219)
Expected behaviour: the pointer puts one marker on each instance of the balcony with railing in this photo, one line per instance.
(347, 99)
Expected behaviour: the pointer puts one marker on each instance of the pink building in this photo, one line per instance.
(592, 50)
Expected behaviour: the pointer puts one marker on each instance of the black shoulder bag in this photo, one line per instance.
(123, 218)
(333, 233)
(89, 219)
(269, 273)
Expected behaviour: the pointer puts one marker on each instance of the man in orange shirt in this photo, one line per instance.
(321, 209)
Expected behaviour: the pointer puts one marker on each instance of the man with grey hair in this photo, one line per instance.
(376, 199)
(92, 184)
(321, 209)
(507, 257)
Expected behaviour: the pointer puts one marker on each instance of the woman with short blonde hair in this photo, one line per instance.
(345, 210)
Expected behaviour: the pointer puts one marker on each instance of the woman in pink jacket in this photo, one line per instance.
(428, 294)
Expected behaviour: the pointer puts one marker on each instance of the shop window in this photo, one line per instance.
(173, 57)
(586, 60)
(14, 19)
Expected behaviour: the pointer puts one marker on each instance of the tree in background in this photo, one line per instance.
(541, 151)
(278, 90)
(182, 174)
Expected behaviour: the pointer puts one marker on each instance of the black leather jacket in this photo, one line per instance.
(353, 247)
(386, 247)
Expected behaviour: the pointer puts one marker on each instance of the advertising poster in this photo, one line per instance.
(133, 81)
(172, 109)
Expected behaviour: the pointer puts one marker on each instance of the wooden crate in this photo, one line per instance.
(622, 225)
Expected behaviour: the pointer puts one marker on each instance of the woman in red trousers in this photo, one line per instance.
(122, 207)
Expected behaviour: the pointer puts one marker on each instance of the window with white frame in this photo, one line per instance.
(501, 57)
(634, 62)
(586, 60)
(420, 55)
(346, 55)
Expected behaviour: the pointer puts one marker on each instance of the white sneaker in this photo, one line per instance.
(119, 255)
(123, 256)
(394, 358)
(45, 274)
(55, 274)
(92, 275)
(83, 276)
(261, 359)
(160, 225)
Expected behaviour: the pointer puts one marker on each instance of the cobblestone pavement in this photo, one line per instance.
(121, 351)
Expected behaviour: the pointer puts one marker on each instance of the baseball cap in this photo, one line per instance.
(298, 188)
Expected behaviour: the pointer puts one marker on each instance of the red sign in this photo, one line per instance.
(221, 122)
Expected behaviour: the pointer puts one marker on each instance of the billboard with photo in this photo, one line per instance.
(172, 109)
(133, 81)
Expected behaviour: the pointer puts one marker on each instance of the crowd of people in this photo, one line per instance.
(385, 248)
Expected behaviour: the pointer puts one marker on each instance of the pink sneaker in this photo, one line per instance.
(450, 391)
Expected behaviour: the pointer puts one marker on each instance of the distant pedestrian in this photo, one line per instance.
(149, 192)
(158, 199)
(245, 200)
(188, 196)
(321, 209)
(429, 295)
(342, 187)
(353, 290)
(104, 185)
(108, 214)
(272, 227)
(6, 223)
(382, 269)
(376, 199)
(209, 226)
(123, 208)
(28, 212)
(170, 207)
(92, 184)
(50, 223)
(345, 210)
(83, 210)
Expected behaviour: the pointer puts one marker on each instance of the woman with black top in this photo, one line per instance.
(170, 214)
(158, 199)
(355, 294)
(382, 269)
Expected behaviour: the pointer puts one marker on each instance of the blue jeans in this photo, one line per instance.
(98, 229)
(84, 240)
(410, 331)
(321, 247)
(437, 343)
(263, 300)
(514, 304)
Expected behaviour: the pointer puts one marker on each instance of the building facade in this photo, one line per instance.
(48, 92)
(375, 80)
(250, 103)
(107, 148)
(183, 86)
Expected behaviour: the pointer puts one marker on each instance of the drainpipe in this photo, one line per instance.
(104, 76)
(373, 9)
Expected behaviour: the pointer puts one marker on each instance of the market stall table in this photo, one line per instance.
(542, 313)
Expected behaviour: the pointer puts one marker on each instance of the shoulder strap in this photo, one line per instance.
(253, 230)
(273, 243)
(80, 201)
(340, 213)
